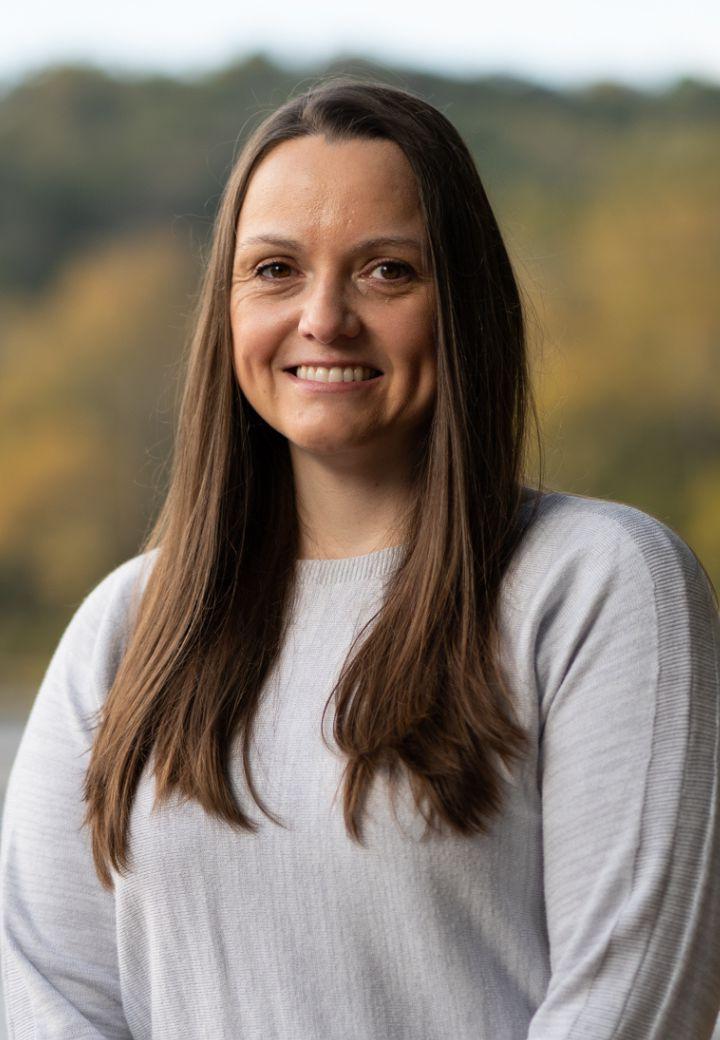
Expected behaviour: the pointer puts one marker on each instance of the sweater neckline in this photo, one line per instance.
(349, 568)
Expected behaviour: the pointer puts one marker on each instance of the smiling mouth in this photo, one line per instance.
(367, 373)
(374, 371)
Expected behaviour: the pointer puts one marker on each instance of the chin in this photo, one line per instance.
(327, 445)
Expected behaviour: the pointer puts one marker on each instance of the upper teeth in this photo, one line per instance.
(333, 375)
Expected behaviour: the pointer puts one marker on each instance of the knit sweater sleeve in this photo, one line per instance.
(627, 660)
(57, 932)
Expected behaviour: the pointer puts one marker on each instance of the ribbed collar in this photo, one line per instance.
(349, 568)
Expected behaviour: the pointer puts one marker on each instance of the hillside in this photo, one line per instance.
(607, 198)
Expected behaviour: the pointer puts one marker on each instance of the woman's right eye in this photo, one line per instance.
(265, 267)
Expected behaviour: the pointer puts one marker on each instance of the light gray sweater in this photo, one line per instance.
(590, 911)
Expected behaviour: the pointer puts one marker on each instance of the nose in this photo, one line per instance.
(326, 313)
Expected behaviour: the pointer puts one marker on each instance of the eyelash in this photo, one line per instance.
(380, 263)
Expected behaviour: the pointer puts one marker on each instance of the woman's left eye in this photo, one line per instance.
(404, 269)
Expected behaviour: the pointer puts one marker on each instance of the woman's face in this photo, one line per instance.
(316, 281)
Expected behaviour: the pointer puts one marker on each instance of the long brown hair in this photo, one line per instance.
(423, 691)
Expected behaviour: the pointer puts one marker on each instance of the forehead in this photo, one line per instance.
(353, 185)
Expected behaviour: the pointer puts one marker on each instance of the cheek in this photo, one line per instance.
(422, 358)
(416, 353)
(256, 335)
(412, 334)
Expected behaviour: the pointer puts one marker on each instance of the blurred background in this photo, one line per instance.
(596, 131)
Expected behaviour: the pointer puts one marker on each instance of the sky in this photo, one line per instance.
(563, 42)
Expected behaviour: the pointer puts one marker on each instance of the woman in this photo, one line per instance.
(510, 829)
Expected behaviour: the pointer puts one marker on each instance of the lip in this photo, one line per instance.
(312, 386)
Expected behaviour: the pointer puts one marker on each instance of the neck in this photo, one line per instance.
(347, 509)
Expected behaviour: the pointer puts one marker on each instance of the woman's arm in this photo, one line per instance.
(60, 971)
(627, 665)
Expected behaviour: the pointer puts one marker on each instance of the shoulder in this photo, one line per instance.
(110, 600)
(606, 595)
(592, 564)
(580, 539)
(58, 733)
(91, 646)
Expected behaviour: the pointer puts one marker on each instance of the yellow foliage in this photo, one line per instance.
(703, 528)
(81, 408)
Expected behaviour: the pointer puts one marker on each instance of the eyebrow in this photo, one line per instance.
(368, 243)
